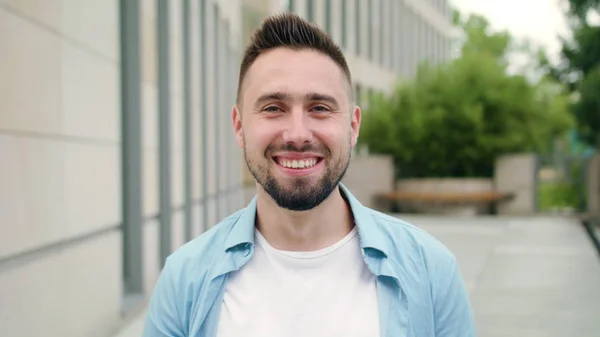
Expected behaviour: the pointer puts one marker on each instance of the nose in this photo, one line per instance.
(297, 129)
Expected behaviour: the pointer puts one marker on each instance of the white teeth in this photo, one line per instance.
(306, 163)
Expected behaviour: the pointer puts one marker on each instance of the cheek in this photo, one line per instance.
(335, 138)
(258, 138)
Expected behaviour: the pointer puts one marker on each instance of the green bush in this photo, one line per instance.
(554, 195)
(568, 191)
(456, 119)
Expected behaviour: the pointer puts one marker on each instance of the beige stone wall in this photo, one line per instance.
(60, 174)
(517, 174)
(368, 176)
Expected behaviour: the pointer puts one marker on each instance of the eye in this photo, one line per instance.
(320, 108)
(272, 108)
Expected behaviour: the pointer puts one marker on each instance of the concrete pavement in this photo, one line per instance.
(534, 277)
(133, 328)
(531, 276)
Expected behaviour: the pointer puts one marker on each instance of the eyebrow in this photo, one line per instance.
(281, 96)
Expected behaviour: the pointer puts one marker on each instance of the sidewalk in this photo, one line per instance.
(530, 276)
(134, 328)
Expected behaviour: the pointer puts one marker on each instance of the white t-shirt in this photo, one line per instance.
(329, 292)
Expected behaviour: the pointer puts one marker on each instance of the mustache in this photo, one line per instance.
(289, 147)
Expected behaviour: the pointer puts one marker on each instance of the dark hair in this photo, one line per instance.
(288, 30)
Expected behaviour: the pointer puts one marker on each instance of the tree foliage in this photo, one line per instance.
(579, 68)
(455, 119)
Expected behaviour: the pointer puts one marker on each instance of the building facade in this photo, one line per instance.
(116, 138)
(384, 40)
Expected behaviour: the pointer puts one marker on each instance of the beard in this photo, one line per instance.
(299, 193)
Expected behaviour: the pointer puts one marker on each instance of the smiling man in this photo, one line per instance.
(305, 257)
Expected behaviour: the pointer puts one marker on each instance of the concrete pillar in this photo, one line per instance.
(517, 174)
(592, 181)
(404, 56)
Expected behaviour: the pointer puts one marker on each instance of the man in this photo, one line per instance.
(305, 258)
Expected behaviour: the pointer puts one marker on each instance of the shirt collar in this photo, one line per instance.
(242, 233)
(371, 236)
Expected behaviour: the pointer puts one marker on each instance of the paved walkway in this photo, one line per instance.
(135, 328)
(534, 277)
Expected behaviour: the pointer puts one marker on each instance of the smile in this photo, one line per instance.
(297, 163)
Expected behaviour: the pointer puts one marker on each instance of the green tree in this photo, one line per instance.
(579, 67)
(455, 119)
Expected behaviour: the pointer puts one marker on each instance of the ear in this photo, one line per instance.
(355, 124)
(236, 119)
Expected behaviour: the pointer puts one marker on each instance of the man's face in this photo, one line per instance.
(296, 125)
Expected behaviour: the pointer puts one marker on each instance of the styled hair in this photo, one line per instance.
(288, 30)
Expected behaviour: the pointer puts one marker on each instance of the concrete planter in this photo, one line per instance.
(448, 187)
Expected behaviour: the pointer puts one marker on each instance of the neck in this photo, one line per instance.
(309, 230)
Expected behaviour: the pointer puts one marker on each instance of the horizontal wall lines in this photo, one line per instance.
(58, 137)
(53, 31)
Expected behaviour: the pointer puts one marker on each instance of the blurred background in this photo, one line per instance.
(481, 125)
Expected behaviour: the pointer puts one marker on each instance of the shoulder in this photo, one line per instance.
(408, 242)
(197, 256)
(181, 280)
(422, 262)
(431, 278)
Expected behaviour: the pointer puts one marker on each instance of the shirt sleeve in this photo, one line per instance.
(163, 318)
(453, 314)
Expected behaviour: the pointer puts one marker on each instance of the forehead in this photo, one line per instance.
(296, 72)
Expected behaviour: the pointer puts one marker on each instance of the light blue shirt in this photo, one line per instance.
(420, 290)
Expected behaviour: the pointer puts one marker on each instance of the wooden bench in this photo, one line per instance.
(463, 197)
(478, 199)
